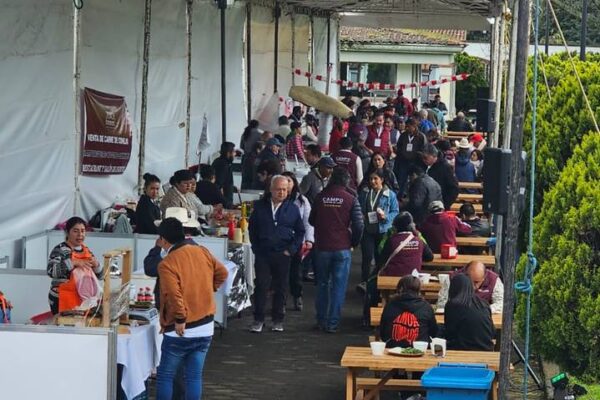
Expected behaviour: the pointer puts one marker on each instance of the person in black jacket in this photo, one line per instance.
(207, 190)
(467, 318)
(147, 210)
(276, 233)
(407, 317)
(422, 191)
(409, 145)
(441, 171)
(224, 171)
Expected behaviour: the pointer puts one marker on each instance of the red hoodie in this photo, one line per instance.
(441, 228)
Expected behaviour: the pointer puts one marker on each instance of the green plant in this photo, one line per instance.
(565, 323)
(466, 91)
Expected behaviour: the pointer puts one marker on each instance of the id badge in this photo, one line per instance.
(372, 216)
(409, 147)
(377, 143)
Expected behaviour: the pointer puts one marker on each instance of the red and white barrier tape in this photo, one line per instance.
(383, 86)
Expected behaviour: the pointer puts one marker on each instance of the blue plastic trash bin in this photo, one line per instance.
(449, 381)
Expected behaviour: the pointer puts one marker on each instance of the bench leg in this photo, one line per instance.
(374, 393)
(351, 384)
(495, 389)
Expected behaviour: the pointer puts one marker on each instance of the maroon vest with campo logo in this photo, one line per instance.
(486, 289)
(347, 160)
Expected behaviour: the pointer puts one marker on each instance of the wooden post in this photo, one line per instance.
(511, 228)
(106, 293)
(126, 278)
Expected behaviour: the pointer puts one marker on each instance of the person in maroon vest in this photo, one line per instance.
(412, 254)
(487, 285)
(352, 163)
(441, 228)
(378, 139)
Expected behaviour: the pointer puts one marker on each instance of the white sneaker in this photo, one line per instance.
(257, 327)
(277, 327)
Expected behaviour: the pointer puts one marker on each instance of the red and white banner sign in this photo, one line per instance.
(106, 140)
(383, 86)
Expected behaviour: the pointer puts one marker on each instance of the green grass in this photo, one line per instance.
(593, 390)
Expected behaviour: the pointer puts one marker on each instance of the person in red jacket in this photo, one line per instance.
(402, 105)
(441, 228)
(378, 138)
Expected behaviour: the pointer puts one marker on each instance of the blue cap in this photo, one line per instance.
(327, 162)
(273, 142)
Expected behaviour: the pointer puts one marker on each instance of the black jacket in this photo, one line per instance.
(469, 327)
(416, 305)
(275, 235)
(209, 193)
(460, 125)
(421, 192)
(146, 212)
(443, 174)
(224, 177)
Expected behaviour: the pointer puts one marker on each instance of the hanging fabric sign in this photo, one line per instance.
(106, 146)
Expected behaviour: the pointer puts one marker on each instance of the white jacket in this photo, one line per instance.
(304, 207)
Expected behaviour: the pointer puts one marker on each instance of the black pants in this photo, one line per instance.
(296, 275)
(272, 271)
(370, 242)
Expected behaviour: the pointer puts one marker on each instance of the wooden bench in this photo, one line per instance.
(439, 264)
(477, 206)
(376, 313)
(388, 284)
(397, 385)
(470, 197)
(470, 185)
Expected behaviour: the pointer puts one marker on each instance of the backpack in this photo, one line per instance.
(405, 328)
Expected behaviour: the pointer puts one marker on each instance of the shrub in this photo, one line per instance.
(565, 323)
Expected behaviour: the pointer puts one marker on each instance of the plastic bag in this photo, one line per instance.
(86, 282)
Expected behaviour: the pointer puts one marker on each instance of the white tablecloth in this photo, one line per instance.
(139, 353)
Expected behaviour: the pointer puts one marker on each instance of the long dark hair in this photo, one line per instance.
(295, 194)
(461, 292)
(253, 124)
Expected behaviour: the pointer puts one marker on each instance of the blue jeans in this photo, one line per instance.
(331, 271)
(177, 350)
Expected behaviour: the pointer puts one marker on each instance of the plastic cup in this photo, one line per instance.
(424, 278)
(421, 346)
(378, 348)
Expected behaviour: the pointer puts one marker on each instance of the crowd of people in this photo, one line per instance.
(387, 186)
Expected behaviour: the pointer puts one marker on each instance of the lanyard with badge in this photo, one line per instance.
(409, 145)
(377, 142)
(372, 215)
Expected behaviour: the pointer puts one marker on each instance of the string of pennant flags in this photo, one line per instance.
(383, 86)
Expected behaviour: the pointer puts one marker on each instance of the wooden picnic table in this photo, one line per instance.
(357, 359)
(376, 313)
(461, 134)
(440, 264)
(470, 185)
(472, 241)
(478, 208)
(470, 197)
(391, 282)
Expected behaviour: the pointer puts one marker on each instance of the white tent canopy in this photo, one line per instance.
(39, 143)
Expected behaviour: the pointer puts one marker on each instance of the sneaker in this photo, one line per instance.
(257, 327)
(331, 329)
(298, 304)
(309, 277)
(277, 327)
(362, 287)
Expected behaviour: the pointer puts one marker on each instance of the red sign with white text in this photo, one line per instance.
(107, 134)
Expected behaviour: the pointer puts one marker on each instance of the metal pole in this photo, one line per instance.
(512, 219)
(510, 87)
(312, 49)
(223, 7)
(328, 74)
(584, 17)
(78, 105)
(188, 106)
(276, 46)
(144, 107)
(547, 33)
(499, 75)
(293, 21)
(493, 59)
(249, 59)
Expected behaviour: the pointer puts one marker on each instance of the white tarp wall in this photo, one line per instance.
(262, 56)
(302, 46)
(37, 140)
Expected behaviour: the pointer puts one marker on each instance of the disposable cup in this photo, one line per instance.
(424, 278)
(421, 346)
(377, 348)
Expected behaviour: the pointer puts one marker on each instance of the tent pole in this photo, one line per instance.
(328, 74)
(249, 59)
(77, 101)
(144, 107)
(312, 49)
(293, 21)
(223, 7)
(188, 106)
(276, 46)
(511, 229)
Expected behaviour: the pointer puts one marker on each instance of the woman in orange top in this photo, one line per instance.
(64, 258)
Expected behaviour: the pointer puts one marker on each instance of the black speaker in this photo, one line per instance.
(496, 180)
(486, 115)
(483, 92)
